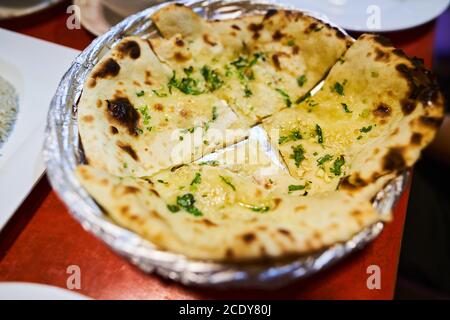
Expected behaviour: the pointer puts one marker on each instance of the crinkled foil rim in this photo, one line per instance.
(62, 154)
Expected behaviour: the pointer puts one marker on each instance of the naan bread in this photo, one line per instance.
(132, 122)
(226, 217)
(266, 61)
(376, 111)
(148, 101)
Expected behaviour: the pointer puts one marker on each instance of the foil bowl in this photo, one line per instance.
(63, 152)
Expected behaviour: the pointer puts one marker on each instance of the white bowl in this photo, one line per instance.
(128, 7)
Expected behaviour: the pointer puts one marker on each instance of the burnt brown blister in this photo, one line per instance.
(248, 237)
(121, 111)
(129, 48)
(109, 68)
(128, 149)
(394, 160)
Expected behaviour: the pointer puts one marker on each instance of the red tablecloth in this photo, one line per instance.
(42, 240)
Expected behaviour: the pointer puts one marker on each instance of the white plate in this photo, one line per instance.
(96, 17)
(35, 68)
(13, 8)
(33, 291)
(362, 15)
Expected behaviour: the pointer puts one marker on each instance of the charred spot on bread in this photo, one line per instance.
(248, 237)
(277, 35)
(431, 122)
(270, 13)
(383, 40)
(394, 159)
(128, 149)
(109, 68)
(130, 48)
(382, 110)
(422, 84)
(121, 111)
(416, 139)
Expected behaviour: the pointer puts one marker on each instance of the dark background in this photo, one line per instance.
(424, 270)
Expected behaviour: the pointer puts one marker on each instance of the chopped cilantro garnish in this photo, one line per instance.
(337, 166)
(247, 91)
(186, 85)
(285, 96)
(301, 80)
(197, 179)
(146, 117)
(319, 134)
(291, 43)
(294, 135)
(215, 114)
(160, 93)
(173, 208)
(212, 78)
(188, 71)
(187, 202)
(296, 187)
(298, 155)
(324, 159)
(213, 163)
(162, 181)
(365, 129)
(260, 209)
(140, 93)
(338, 88)
(374, 74)
(228, 182)
(346, 109)
(139, 131)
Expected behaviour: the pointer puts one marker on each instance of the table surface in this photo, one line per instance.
(42, 239)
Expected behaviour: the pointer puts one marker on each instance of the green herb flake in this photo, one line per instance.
(212, 78)
(212, 163)
(294, 135)
(215, 114)
(337, 166)
(338, 88)
(324, 159)
(162, 181)
(186, 85)
(187, 202)
(285, 96)
(159, 93)
(173, 208)
(301, 80)
(260, 209)
(296, 187)
(298, 155)
(247, 91)
(291, 43)
(319, 134)
(228, 182)
(145, 115)
(346, 109)
(140, 93)
(365, 129)
(197, 179)
(374, 74)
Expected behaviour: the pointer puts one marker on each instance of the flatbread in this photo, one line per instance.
(130, 122)
(375, 112)
(266, 61)
(149, 100)
(228, 221)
